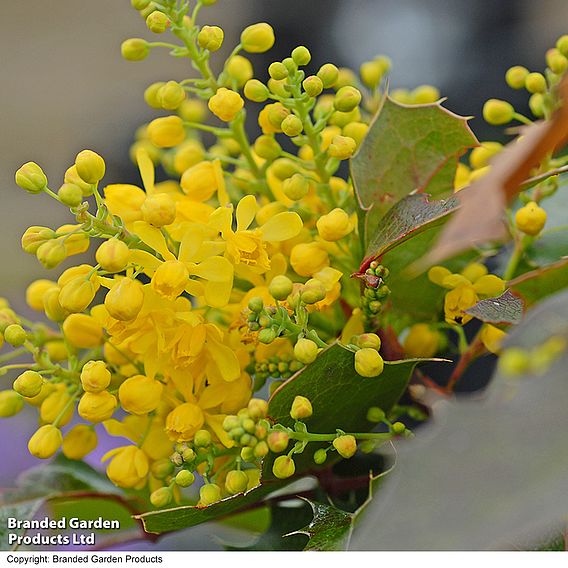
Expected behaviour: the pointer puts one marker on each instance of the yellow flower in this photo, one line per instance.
(492, 337)
(456, 301)
(128, 467)
(184, 421)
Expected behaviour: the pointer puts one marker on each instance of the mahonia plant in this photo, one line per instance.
(233, 275)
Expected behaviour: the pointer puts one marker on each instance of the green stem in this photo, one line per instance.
(12, 354)
(309, 437)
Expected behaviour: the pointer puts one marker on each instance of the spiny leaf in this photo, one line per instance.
(507, 308)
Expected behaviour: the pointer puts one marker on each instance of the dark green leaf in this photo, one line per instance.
(507, 308)
(21, 510)
(537, 284)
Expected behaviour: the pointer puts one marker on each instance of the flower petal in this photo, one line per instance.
(246, 211)
(282, 227)
(153, 238)
(146, 168)
(191, 242)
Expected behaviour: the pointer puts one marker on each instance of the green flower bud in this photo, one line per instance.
(171, 95)
(536, 104)
(90, 166)
(162, 468)
(278, 71)
(347, 98)
(267, 147)
(498, 112)
(15, 335)
(236, 482)
(342, 147)
(515, 76)
(562, 45)
(256, 91)
(556, 62)
(283, 168)
(295, 188)
(375, 414)
(255, 304)
(135, 49)
(328, 74)
(209, 494)
(161, 497)
(320, 456)
(398, 428)
(10, 403)
(257, 38)
(266, 336)
(305, 350)
(277, 441)
(283, 467)
(314, 291)
(230, 422)
(279, 88)
(188, 455)
(140, 4)
(371, 74)
(247, 454)
(202, 439)
(301, 408)
(425, 94)
(70, 195)
(280, 287)
(535, 83)
(184, 478)
(31, 178)
(258, 408)
(292, 125)
(28, 384)
(345, 78)
(157, 22)
(210, 37)
(301, 55)
(345, 445)
(313, 85)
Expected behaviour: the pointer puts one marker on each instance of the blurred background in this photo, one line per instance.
(66, 88)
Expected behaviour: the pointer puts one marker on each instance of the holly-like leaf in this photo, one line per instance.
(329, 530)
(507, 308)
(537, 284)
(485, 473)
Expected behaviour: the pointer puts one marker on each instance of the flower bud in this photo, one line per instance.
(313, 85)
(515, 76)
(113, 255)
(368, 362)
(161, 497)
(10, 403)
(34, 237)
(556, 62)
(256, 91)
(357, 131)
(292, 125)
(283, 168)
(371, 74)
(97, 407)
(369, 340)
(202, 439)
(535, 83)
(375, 414)
(239, 69)
(257, 408)
(267, 147)
(425, 94)
(70, 195)
(225, 104)
(51, 253)
(320, 456)
(166, 132)
(266, 335)
(135, 49)
(498, 112)
(280, 287)
(308, 258)
(236, 482)
(157, 22)
(329, 74)
(296, 187)
(257, 38)
(421, 341)
(125, 299)
(162, 468)
(342, 147)
(90, 166)
(128, 467)
(347, 98)
(562, 45)
(51, 305)
(278, 441)
(79, 441)
(346, 446)
(159, 210)
(31, 178)
(276, 115)
(283, 467)
(313, 291)
(185, 478)
(335, 225)
(15, 335)
(152, 96)
(170, 95)
(210, 37)
(76, 295)
(95, 377)
(305, 351)
(170, 279)
(56, 406)
(28, 384)
(301, 55)
(530, 219)
(209, 494)
(83, 331)
(36, 291)
(301, 408)
(45, 442)
(140, 394)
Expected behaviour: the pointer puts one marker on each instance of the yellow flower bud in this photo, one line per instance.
(489, 285)
(236, 482)
(535, 83)
(301, 55)
(187, 155)
(481, 156)
(342, 147)
(239, 68)
(346, 78)
(278, 441)
(346, 99)
(257, 38)
(128, 468)
(301, 408)
(368, 362)
(170, 279)
(161, 497)
(34, 237)
(70, 195)
(278, 71)
(556, 62)
(296, 187)
(267, 147)
(57, 350)
(305, 351)
(498, 112)
(79, 441)
(55, 404)
(201, 181)
(345, 445)
(279, 88)
(157, 22)
(210, 493)
(45, 442)
(51, 305)
(72, 177)
(210, 37)
(425, 94)
(51, 253)
(280, 287)
(159, 210)
(184, 421)
(31, 178)
(515, 76)
(28, 384)
(152, 94)
(335, 225)
(308, 258)
(371, 74)
(313, 85)
(313, 291)
(95, 377)
(135, 49)
(283, 168)
(368, 340)
(140, 394)
(90, 166)
(10, 403)
(36, 291)
(83, 331)
(256, 91)
(492, 337)
(283, 467)
(193, 110)
(76, 295)
(291, 125)
(530, 219)
(421, 341)
(97, 407)
(536, 104)
(257, 408)
(357, 131)
(113, 255)
(329, 74)
(125, 299)
(7, 317)
(225, 104)
(15, 335)
(171, 95)
(166, 132)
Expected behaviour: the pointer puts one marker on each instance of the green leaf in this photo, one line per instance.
(24, 509)
(329, 530)
(507, 308)
(408, 148)
(485, 472)
(537, 284)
